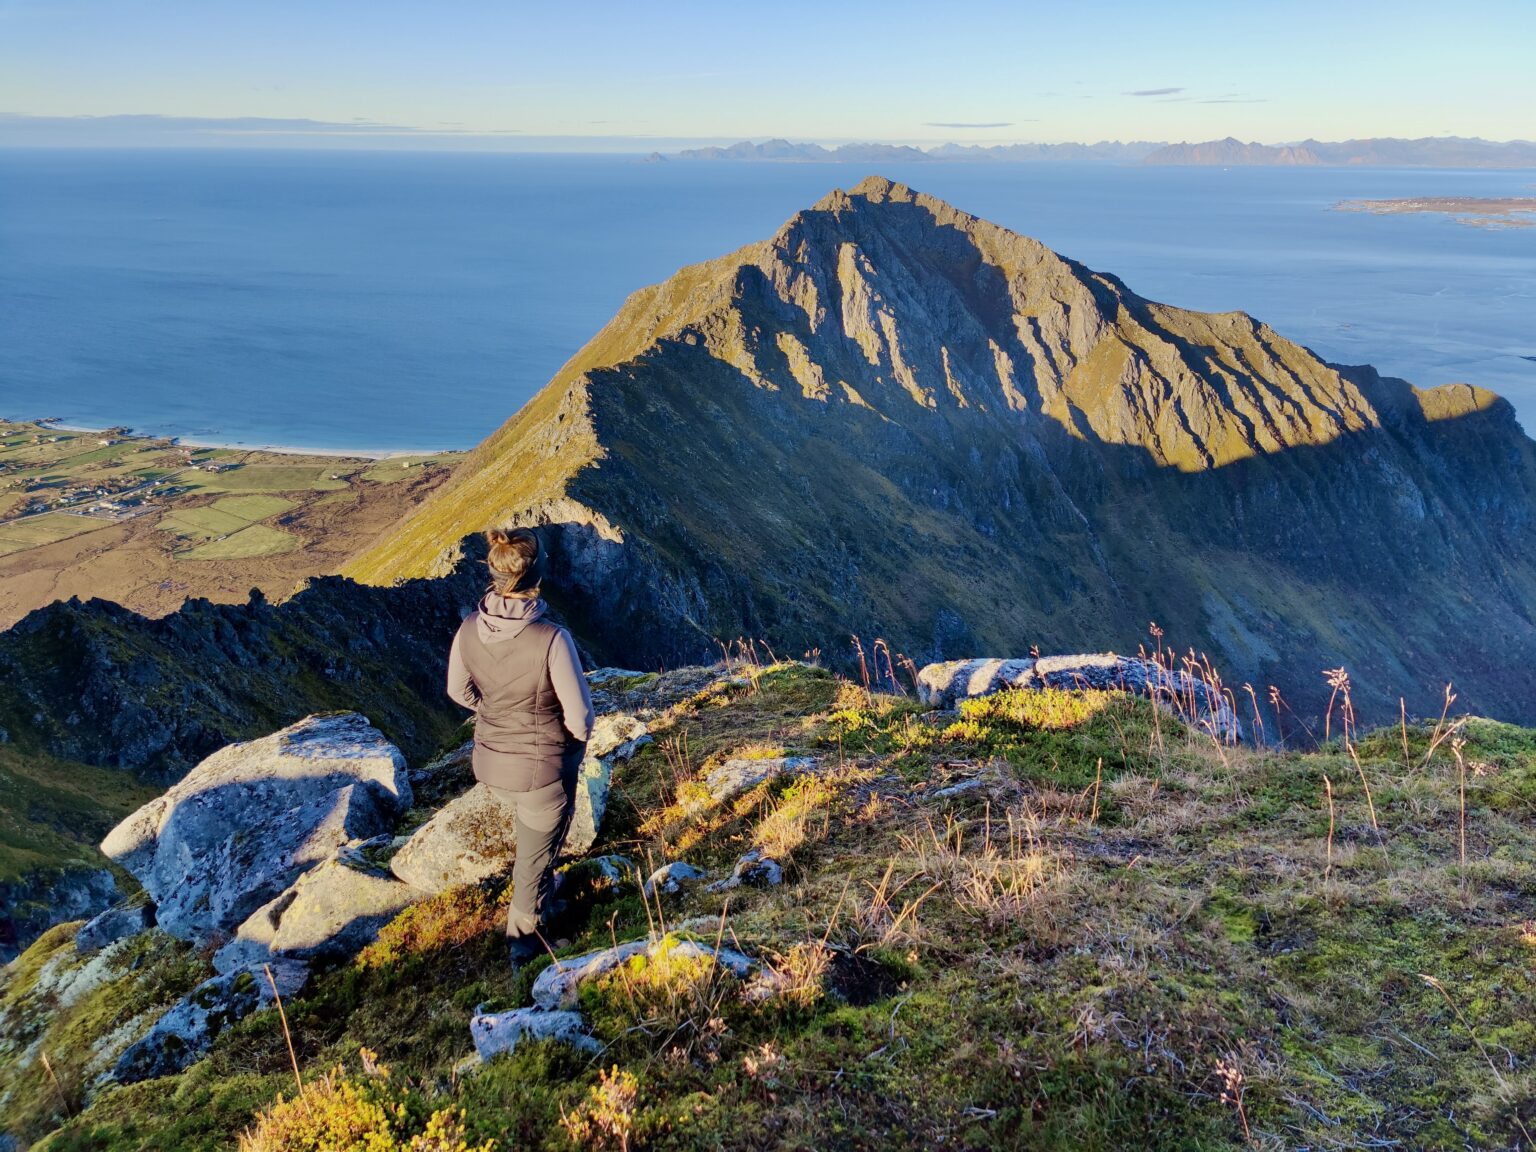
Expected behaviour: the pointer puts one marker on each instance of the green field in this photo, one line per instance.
(398, 468)
(228, 530)
(35, 531)
(224, 517)
(267, 478)
(202, 523)
(253, 508)
(256, 540)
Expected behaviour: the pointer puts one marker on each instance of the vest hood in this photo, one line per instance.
(503, 617)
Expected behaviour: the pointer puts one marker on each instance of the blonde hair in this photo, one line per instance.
(516, 561)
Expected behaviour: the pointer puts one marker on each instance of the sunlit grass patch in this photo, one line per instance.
(372, 1113)
(446, 921)
(1043, 709)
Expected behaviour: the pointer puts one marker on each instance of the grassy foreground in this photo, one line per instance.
(1113, 934)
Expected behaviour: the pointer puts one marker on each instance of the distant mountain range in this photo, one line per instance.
(895, 419)
(1104, 152)
(1386, 152)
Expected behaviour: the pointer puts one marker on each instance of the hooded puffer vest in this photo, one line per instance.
(520, 737)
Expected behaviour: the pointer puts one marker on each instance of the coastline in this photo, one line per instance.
(240, 446)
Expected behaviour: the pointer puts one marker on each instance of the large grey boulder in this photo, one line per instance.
(470, 839)
(473, 838)
(332, 911)
(249, 820)
(189, 1028)
(945, 684)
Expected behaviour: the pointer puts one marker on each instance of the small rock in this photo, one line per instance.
(670, 877)
(613, 868)
(556, 986)
(734, 777)
(957, 789)
(753, 868)
(189, 1027)
(499, 1032)
(117, 922)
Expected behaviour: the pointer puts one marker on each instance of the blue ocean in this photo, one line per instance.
(394, 301)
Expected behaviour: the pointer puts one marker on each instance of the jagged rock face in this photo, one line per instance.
(895, 419)
(97, 683)
(249, 820)
(49, 896)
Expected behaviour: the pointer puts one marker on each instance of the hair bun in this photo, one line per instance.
(515, 558)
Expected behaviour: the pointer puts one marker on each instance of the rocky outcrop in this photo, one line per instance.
(332, 911)
(116, 923)
(1173, 690)
(895, 419)
(189, 1028)
(731, 779)
(249, 820)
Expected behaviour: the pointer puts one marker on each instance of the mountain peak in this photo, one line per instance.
(893, 417)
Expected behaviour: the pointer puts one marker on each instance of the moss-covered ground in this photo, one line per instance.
(1059, 921)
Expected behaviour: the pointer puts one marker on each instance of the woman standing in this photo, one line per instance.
(521, 676)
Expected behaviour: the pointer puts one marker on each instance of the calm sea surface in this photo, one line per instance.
(393, 301)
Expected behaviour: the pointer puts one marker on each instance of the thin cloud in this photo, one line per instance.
(971, 124)
(1154, 92)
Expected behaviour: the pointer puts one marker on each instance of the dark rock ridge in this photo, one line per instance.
(893, 418)
(96, 683)
(35, 902)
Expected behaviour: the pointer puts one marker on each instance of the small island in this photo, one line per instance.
(1478, 212)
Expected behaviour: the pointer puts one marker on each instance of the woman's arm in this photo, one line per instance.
(461, 685)
(571, 687)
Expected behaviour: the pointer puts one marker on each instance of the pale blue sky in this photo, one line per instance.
(983, 71)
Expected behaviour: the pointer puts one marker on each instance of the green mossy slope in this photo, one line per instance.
(1118, 934)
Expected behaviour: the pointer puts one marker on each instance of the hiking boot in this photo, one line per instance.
(521, 949)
